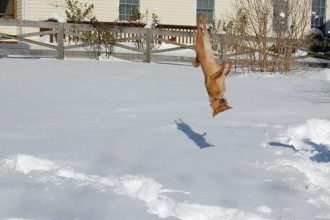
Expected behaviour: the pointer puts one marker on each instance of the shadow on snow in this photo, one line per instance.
(198, 139)
(320, 152)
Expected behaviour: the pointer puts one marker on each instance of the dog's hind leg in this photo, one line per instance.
(229, 68)
(198, 38)
(204, 18)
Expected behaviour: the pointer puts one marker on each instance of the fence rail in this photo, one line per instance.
(60, 40)
(61, 35)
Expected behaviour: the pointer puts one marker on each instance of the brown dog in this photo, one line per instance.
(214, 73)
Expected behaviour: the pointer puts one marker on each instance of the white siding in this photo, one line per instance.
(8, 30)
(181, 12)
(223, 9)
(42, 10)
(171, 11)
(105, 10)
(19, 10)
(327, 16)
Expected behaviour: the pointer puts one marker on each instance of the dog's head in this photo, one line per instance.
(219, 105)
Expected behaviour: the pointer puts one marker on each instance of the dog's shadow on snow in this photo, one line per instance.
(278, 144)
(198, 139)
(322, 154)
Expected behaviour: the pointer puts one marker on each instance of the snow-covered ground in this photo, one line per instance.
(122, 140)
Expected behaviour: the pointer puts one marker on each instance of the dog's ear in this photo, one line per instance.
(221, 106)
(195, 63)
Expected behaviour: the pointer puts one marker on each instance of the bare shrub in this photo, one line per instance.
(266, 34)
(144, 19)
(98, 42)
(291, 20)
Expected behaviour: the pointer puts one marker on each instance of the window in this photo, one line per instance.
(6, 8)
(280, 16)
(318, 15)
(126, 8)
(206, 7)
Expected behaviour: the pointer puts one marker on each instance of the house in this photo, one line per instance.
(181, 12)
(170, 11)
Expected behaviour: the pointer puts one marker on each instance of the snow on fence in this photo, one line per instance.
(166, 43)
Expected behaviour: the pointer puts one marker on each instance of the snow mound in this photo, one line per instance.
(307, 136)
(144, 189)
(326, 75)
(311, 142)
(264, 209)
(17, 219)
(317, 179)
(323, 75)
(25, 164)
(57, 16)
(317, 174)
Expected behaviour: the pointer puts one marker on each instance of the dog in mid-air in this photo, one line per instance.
(214, 73)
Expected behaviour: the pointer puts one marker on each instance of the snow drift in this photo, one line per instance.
(145, 189)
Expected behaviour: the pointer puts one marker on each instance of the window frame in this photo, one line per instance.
(206, 6)
(127, 6)
(318, 18)
(12, 15)
(280, 24)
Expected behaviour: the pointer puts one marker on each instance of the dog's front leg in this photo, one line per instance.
(218, 74)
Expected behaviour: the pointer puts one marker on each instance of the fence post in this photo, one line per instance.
(60, 41)
(223, 47)
(148, 45)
